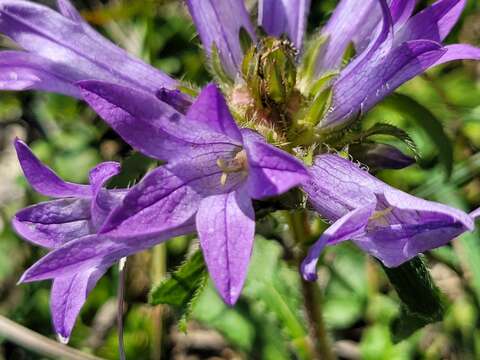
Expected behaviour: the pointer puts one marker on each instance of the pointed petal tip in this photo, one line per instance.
(230, 298)
(22, 280)
(475, 214)
(63, 339)
(308, 269)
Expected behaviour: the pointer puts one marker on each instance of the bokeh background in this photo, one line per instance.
(359, 304)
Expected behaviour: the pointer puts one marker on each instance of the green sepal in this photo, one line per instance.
(321, 83)
(308, 66)
(246, 41)
(182, 288)
(318, 107)
(269, 71)
(348, 54)
(217, 68)
(422, 301)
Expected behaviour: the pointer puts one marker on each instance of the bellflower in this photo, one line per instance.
(77, 211)
(59, 49)
(73, 218)
(404, 48)
(214, 183)
(389, 224)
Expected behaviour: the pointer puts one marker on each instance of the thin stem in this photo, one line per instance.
(121, 295)
(158, 271)
(39, 344)
(311, 293)
(313, 307)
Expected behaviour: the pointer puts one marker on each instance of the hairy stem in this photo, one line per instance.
(313, 307)
(312, 298)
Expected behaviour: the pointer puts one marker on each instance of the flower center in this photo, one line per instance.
(239, 163)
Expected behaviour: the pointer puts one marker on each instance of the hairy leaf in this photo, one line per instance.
(422, 301)
(425, 119)
(182, 288)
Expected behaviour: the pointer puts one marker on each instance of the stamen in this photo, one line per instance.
(381, 214)
(229, 166)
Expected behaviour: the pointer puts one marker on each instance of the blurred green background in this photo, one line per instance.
(360, 307)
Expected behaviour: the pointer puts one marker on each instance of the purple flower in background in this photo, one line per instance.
(405, 47)
(213, 183)
(60, 49)
(389, 224)
(392, 47)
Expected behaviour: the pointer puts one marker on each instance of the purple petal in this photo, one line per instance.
(288, 17)
(364, 86)
(459, 52)
(226, 228)
(67, 9)
(43, 179)
(161, 201)
(348, 227)
(219, 22)
(407, 226)
(402, 10)
(67, 297)
(23, 71)
(74, 46)
(54, 223)
(148, 124)
(211, 109)
(433, 23)
(95, 251)
(352, 21)
(271, 170)
(336, 186)
(100, 197)
(475, 214)
(380, 156)
(176, 99)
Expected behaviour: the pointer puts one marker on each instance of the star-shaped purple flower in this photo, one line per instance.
(212, 183)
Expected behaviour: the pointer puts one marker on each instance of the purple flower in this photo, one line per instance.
(60, 49)
(77, 212)
(403, 48)
(212, 183)
(69, 226)
(387, 223)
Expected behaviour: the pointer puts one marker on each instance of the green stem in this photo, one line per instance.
(158, 272)
(312, 296)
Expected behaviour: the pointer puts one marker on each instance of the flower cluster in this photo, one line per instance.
(248, 137)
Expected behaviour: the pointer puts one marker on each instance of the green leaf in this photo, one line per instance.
(379, 129)
(182, 288)
(277, 287)
(422, 301)
(390, 130)
(425, 119)
(462, 174)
